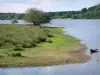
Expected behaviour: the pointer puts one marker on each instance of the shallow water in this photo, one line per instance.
(86, 30)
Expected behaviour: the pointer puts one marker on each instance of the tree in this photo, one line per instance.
(84, 10)
(36, 17)
(14, 20)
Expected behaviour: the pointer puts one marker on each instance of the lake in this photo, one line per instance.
(9, 22)
(88, 31)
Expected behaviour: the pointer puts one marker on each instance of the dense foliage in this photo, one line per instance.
(9, 16)
(92, 13)
(14, 20)
(16, 37)
(63, 14)
(36, 17)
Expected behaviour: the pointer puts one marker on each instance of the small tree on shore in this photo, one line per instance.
(36, 17)
(14, 20)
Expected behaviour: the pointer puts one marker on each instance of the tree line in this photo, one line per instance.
(90, 13)
(63, 14)
(86, 13)
(9, 16)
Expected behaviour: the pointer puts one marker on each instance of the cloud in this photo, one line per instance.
(12, 1)
(45, 5)
(18, 8)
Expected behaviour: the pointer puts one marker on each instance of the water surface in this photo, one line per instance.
(9, 22)
(86, 30)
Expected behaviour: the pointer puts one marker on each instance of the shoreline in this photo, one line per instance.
(64, 49)
(79, 57)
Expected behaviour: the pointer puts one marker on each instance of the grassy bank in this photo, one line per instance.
(22, 45)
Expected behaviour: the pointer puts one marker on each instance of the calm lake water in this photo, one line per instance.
(86, 30)
(9, 22)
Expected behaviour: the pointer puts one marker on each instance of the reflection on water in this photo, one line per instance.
(86, 30)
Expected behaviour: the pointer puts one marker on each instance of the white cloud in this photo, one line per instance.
(45, 5)
(9, 7)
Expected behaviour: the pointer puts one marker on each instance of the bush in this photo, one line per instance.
(12, 41)
(1, 56)
(49, 35)
(33, 44)
(42, 39)
(29, 45)
(18, 48)
(37, 41)
(7, 46)
(1, 44)
(17, 37)
(49, 41)
(14, 20)
(16, 54)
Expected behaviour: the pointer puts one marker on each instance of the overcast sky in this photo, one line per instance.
(20, 6)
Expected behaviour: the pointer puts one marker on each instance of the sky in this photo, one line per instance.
(20, 6)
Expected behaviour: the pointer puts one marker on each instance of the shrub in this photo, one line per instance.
(7, 46)
(1, 56)
(49, 41)
(18, 48)
(37, 41)
(49, 35)
(42, 39)
(33, 44)
(12, 41)
(17, 37)
(29, 45)
(16, 54)
(14, 20)
(0, 44)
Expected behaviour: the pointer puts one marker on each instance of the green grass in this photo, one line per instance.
(33, 48)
